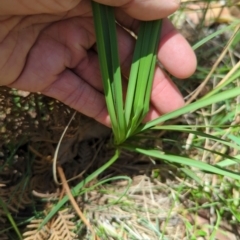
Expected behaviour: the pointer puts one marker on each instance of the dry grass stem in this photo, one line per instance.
(73, 202)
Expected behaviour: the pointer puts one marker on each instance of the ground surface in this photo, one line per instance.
(136, 197)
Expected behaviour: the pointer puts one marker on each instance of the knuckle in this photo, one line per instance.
(64, 5)
(175, 5)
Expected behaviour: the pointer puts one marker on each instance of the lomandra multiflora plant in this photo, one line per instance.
(127, 114)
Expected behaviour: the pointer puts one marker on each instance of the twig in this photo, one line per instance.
(73, 202)
(201, 86)
(57, 149)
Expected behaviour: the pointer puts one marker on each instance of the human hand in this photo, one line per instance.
(49, 47)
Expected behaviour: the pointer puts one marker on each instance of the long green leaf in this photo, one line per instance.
(214, 34)
(116, 72)
(198, 133)
(106, 38)
(133, 76)
(100, 33)
(228, 162)
(191, 107)
(141, 74)
(186, 161)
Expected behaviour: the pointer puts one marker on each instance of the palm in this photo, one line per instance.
(55, 55)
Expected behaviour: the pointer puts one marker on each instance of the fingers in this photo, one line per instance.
(78, 94)
(175, 53)
(139, 9)
(66, 44)
(62, 45)
(165, 95)
(179, 60)
(50, 67)
(24, 7)
(88, 69)
(145, 9)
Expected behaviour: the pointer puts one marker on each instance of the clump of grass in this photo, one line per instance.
(126, 116)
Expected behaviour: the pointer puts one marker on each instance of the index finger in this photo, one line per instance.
(174, 52)
(145, 9)
(24, 7)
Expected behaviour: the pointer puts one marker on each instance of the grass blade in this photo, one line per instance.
(198, 133)
(10, 218)
(106, 37)
(185, 161)
(214, 34)
(191, 107)
(141, 74)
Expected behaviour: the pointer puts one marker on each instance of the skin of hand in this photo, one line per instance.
(48, 46)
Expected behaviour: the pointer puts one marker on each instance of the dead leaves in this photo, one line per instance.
(61, 228)
(34, 234)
